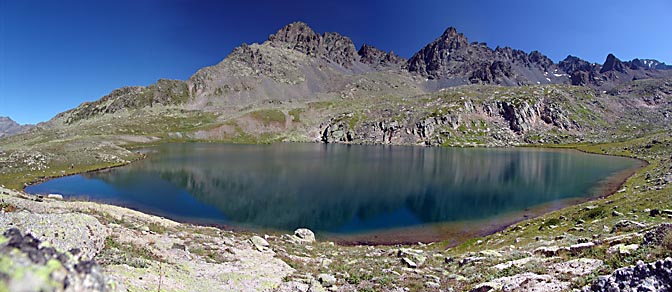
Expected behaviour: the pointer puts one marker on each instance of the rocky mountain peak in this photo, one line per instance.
(613, 64)
(450, 32)
(573, 63)
(434, 60)
(374, 56)
(300, 37)
(541, 59)
(636, 64)
(453, 39)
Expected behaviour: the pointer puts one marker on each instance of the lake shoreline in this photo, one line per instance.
(427, 233)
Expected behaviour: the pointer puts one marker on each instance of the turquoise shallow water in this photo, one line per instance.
(340, 189)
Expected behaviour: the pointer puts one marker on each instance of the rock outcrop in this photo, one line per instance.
(65, 231)
(28, 264)
(656, 276)
(452, 57)
(373, 56)
(329, 45)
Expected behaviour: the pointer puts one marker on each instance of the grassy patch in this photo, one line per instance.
(269, 116)
(296, 114)
(117, 253)
(210, 255)
(157, 228)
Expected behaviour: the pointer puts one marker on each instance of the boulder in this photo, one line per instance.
(414, 256)
(623, 249)
(410, 263)
(55, 196)
(626, 226)
(519, 263)
(326, 280)
(577, 267)
(581, 246)
(259, 243)
(304, 235)
(657, 235)
(550, 251)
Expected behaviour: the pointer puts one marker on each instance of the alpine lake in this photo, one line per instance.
(350, 193)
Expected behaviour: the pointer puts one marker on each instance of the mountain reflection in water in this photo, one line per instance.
(340, 188)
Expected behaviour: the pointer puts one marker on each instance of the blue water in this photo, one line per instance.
(339, 188)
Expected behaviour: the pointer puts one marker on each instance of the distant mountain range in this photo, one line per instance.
(297, 63)
(9, 127)
(300, 85)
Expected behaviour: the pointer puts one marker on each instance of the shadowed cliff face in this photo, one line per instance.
(342, 189)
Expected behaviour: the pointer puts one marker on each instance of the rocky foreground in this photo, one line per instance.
(619, 243)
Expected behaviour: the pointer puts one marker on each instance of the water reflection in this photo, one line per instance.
(340, 188)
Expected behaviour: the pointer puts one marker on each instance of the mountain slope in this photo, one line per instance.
(298, 65)
(9, 127)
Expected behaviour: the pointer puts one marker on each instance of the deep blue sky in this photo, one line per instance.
(56, 54)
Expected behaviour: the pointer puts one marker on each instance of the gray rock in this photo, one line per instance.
(657, 235)
(550, 251)
(259, 243)
(626, 226)
(577, 267)
(519, 263)
(414, 255)
(524, 282)
(31, 265)
(55, 196)
(656, 276)
(581, 246)
(305, 235)
(468, 260)
(623, 249)
(326, 280)
(408, 262)
(64, 231)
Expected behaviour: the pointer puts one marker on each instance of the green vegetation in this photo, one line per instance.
(269, 116)
(116, 253)
(296, 114)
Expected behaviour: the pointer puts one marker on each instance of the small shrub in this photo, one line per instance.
(549, 223)
(593, 214)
